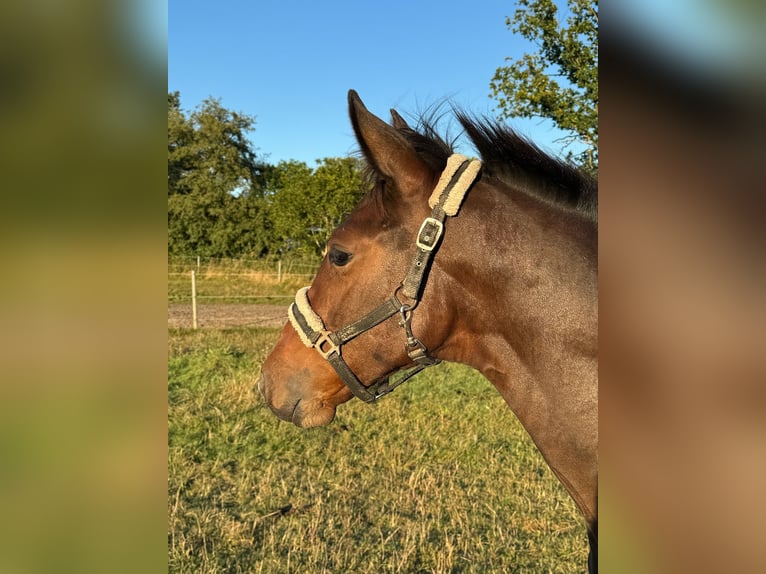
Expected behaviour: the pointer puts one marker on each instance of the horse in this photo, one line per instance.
(489, 262)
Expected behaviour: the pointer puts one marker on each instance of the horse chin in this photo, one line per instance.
(309, 414)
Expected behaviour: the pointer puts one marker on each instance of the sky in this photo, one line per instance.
(290, 63)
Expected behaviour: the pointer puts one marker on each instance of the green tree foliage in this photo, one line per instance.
(308, 204)
(224, 202)
(215, 182)
(560, 80)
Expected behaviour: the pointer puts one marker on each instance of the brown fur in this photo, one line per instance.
(512, 292)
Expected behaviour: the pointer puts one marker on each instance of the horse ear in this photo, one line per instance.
(387, 150)
(398, 121)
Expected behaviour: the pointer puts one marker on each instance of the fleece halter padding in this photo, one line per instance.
(314, 321)
(457, 193)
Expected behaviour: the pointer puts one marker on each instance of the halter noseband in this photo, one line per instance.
(445, 201)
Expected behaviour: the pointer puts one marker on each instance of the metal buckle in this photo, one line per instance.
(429, 237)
(324, 342)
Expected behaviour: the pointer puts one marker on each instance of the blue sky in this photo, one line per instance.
(290, 64)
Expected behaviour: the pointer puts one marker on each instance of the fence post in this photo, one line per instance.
(194, 299)
(279, 271)
(197, 262)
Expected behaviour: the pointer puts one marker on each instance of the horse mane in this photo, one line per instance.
(518, 162)
(511, 158)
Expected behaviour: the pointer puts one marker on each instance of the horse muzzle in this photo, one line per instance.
(291, 406)
(284, 410)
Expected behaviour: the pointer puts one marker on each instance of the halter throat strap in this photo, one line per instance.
(446, 199)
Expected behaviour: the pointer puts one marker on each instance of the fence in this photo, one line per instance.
(200, 281)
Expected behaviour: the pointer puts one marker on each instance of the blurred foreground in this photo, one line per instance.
(682, 283)
(83, 400)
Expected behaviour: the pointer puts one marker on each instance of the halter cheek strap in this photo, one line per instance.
(446, 199)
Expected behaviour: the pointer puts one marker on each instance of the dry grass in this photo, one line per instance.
(439, 477)
(238, 281)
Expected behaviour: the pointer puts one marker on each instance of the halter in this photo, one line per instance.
(445, 200)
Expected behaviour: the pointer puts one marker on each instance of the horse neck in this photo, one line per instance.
(531, 267)
(522, 280)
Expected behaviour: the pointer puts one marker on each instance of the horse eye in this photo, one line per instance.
(339, 258)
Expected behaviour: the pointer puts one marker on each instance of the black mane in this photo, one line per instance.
(512, 159)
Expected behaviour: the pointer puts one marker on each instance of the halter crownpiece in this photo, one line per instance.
(458, 190)
(446, 199)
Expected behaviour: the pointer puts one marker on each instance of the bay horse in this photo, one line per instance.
(491, 263)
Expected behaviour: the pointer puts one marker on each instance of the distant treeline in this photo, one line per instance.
(223, 201)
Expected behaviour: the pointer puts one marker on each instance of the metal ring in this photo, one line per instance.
(404, 305)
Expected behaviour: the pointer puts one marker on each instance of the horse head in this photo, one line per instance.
(347, 330)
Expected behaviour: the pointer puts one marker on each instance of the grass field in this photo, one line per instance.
(239, 280)
(438, 477)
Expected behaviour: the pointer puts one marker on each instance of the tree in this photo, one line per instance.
(223, 202)
(215, 182)
(307, 205)
(560, 80)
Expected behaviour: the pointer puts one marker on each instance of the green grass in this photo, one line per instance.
(438, 477)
